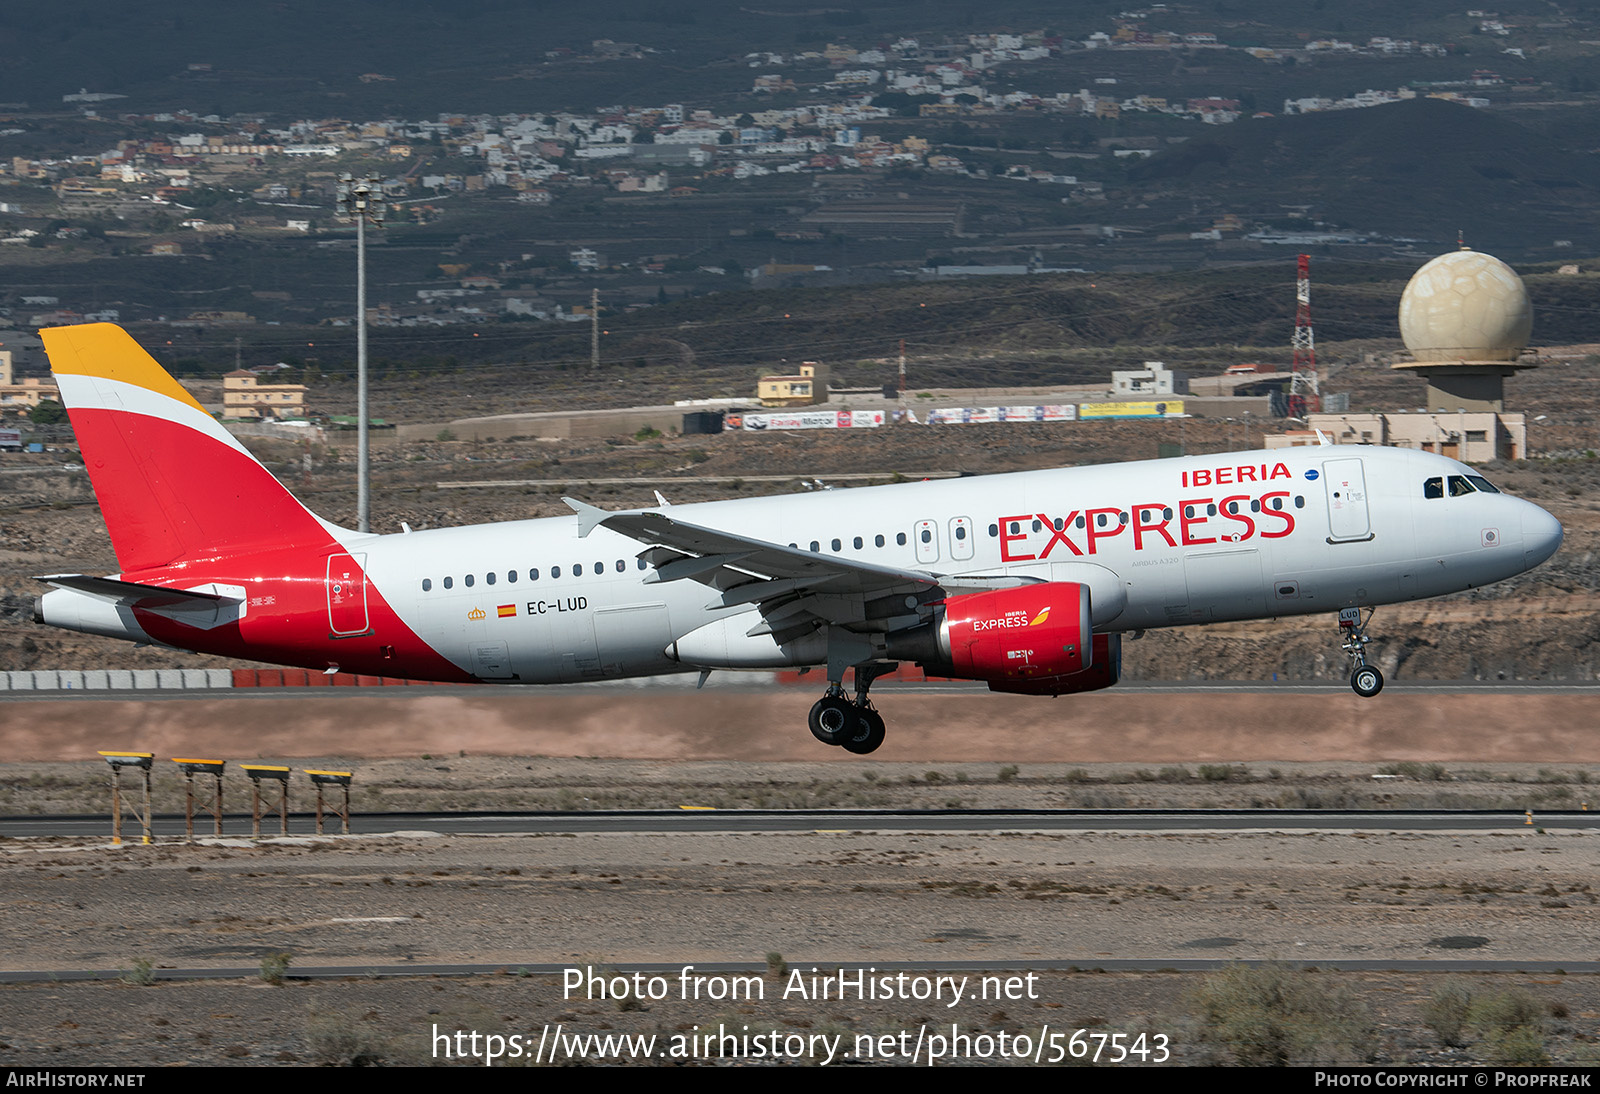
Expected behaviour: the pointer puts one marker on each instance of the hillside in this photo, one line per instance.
(1424, 167)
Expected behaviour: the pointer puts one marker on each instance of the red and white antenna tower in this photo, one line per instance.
(1304, 398)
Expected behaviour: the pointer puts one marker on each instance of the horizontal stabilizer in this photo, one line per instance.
(204, 609)
(144, 596)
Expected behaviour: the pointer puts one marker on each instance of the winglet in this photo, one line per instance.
(588, 515)
(1322, 439)
(661, 501)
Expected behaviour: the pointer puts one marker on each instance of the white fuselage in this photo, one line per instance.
(1159, 543)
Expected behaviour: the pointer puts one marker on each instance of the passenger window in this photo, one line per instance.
(555, 572)
(1299, 501)
(1211, 510)
(877, 541)
(511, 576)
(489, 577)
(1037, 526)
(621, 565)
(1433, 488)
(927, 536)
(599, 568)
(1277, 503)
(1166, 514)
(815, 546)
(577, 569)
(1078, 523)
(961, 531)
(533, 574)
(427, 584)
(1255, 506)
(1101, 520)
(1015, 528)
(857, 542)
(469, 580)
(1060, 524)
(836, 545)
(900, 538)
(449, 582)
(1122, 518)
(643, 563)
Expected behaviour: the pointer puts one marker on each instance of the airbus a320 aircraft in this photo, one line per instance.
(1026, 581)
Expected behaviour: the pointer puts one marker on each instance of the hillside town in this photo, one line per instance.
(186, 183)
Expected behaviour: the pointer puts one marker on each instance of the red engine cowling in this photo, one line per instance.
(1029, 633)
(1105, 671)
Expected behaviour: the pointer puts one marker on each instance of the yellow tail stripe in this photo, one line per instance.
(109, 352)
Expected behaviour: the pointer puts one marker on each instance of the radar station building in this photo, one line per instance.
(1465, 318)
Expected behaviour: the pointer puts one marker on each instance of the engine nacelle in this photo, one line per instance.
(1025, 633)
(1105, 671)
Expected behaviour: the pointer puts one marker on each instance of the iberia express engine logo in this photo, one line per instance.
(1011, 620)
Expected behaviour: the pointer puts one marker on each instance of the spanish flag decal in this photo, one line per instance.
(506, 611)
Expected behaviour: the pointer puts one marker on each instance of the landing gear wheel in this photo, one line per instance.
(1366, 681)
(868, 734)
(833, 719)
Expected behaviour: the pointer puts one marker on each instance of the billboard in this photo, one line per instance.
(1151, 409)
(1055, 412)
(813, 419)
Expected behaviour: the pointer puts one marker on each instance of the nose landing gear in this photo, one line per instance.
(1365, 680)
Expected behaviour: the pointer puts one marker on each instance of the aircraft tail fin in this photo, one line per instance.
(172, 483)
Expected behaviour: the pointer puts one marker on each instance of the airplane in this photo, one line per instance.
(1026, 581)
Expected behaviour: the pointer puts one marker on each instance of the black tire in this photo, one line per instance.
(833, 718)
(1366, 681)
(869, 733)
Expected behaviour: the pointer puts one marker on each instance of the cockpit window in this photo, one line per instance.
(1433, 488)
(1483, 484)
(1459, 486)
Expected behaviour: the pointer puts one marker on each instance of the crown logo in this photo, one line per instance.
(476, 614)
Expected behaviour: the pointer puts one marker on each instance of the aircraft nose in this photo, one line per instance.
(1541, 535)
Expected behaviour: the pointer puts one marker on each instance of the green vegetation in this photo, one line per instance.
(141, 974)
(1278, 1015)
(275, 966)
(340, 1038)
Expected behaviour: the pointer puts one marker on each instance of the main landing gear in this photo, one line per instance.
(854, 725)
(1365, 679)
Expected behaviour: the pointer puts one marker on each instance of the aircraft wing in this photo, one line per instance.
(795, 590)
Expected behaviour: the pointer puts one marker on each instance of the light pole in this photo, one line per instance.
(362, 200)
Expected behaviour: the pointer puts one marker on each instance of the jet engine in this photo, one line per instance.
(1032, 639)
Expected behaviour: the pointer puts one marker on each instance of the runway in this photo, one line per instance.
(718, 821)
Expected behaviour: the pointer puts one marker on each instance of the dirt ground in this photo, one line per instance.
(821, 899)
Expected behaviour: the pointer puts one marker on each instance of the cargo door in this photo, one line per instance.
(1225, 585)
